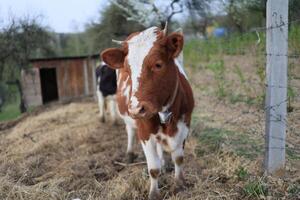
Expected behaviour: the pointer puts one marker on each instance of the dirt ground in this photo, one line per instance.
(63, 151)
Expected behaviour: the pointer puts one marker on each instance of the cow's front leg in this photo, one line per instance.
(177, 157)
(154, 166)
(130, 142)
(160, 153)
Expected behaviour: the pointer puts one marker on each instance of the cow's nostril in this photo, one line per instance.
(142, 110)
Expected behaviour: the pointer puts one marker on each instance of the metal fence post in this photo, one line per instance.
(276, 87)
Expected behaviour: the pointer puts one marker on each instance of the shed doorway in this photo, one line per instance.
(48, 84)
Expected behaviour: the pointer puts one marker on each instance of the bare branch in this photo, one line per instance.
(173, 9)
(147, 13)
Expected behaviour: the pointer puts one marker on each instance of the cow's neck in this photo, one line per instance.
(166, 114)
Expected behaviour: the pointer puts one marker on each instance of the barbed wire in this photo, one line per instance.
(256, 30)
(271, 110)
(264, 28)
(284, 55)
(278, 26)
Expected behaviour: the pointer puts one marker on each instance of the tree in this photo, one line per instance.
(294, 10)
(200, 12)
(21, 40)
(112, 24)
(146, 13)
(3, 91)
(243, 15)
(260, 6)
(236, 10)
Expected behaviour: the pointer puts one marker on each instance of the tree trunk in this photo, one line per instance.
(1, 70)
(204, 27)
(23, 107)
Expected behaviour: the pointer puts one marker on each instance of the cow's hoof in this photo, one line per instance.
(131, 157)
(102, 119)
(179, 186)
(155, 195)
(114, 122)
(167, 165)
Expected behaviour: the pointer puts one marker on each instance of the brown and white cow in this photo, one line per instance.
(154, 97)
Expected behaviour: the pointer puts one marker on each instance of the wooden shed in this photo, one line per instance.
(59, 79)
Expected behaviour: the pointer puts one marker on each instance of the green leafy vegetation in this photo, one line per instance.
(255, 188)
(233, 44)
(212, 51)
(212, 140)
(218, 70)
(238, 71)
(10, 102)
(197, 50)
(242, 173)
(235, 98)
(10, 111)
(292, 154)
(294, 190)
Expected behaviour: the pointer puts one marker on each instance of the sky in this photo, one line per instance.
(63, 16)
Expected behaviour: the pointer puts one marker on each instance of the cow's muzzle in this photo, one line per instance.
(143, 110)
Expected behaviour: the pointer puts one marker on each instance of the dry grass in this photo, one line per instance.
(64, 152)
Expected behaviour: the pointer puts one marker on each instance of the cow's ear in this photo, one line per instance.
(174, 44)
(114, 57)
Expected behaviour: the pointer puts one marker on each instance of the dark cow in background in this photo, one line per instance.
(106, 90)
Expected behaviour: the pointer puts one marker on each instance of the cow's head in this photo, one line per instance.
(148, 58)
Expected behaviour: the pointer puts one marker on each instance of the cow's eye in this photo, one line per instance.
(158, 66)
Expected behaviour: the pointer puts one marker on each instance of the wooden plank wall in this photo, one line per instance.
(70, 77)
(92, 76)
(75, 77)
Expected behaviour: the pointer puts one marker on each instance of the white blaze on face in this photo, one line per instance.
(138, 48)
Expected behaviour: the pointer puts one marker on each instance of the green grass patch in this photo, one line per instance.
(201, 50)
(218, 70)
(211, 140)
(236, 98)
(10, 111)
(196, 50)
(242, 174)
(292, 154)
(245, 146)
(294, 189)
(255, 188)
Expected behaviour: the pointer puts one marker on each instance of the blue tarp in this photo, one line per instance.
(219, 32)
